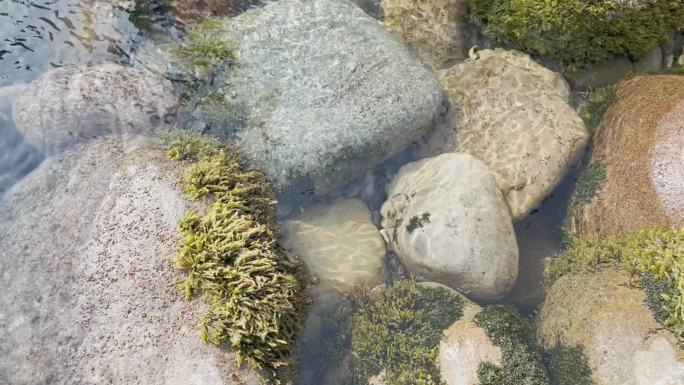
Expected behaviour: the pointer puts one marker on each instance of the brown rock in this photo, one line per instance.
(641, 144)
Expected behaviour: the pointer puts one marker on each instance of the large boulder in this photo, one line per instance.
(514, 115)
(637, 166)
(622, 342)
(464, 347)
(447, 221)
(89, 295)
(72, 104)
(435, 29)
(324, 92)
(339, 244)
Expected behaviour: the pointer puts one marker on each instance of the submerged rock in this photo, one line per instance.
(637, 166)
(514, 115)
(339, 244)
(89, 295)
(70, 105)
(325, 93)
(623, 343)
(447, 221)
(435, 29)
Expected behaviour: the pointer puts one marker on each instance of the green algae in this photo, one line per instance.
(579, 33)
(206, 51)
(396, 330)
(521, 361)
(598, 102)
(654, 257)
(568, 365)
(231, 258)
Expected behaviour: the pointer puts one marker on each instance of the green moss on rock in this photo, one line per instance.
(521, 362)
(230, 255)
(205, 51)
(655, 257)
(396, 332)
(568, 365)
(579, 32)
(598, 102)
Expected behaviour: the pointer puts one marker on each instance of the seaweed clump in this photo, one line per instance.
(521, 361)
(654, 257)
(579, 32)
(568, 365)
(205, 51)
(231, 257)
(396, 332)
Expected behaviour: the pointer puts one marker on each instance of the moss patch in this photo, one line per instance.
(231, 257)
(655, 258)
(205, 51)
(521, 361)
(396, 331)
(598, 102)
(591, 181)
(568, 365)
(579, 32)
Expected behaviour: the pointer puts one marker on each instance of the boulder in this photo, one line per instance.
(514, 115)
(89, 295)
(339, 244)
(623, 343)
(435, 29)
(447, 221)
(639, 153)
(73, 104)
(324, 93)
(464, 347)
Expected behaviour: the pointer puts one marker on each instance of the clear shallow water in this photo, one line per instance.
(40, 35)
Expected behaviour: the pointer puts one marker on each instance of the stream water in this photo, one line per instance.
(37, 36)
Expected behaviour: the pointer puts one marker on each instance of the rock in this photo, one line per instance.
(435, 29)
(17, 158)
(514, 115)
(89, 295)
(600, 75)
(339, 244)
(69, 105)
(447, 221)
(323, 108)
(371, 7)
(651, 62)
(623, 343)
(464, 347)
(639, 147)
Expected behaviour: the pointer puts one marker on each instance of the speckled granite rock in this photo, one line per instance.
(447, 221)
(640, 146)
(339, 244)
(89, 296)
(69, 105)
(623, 343)
(514, 115)
(435, 29)
(464, 347)
(327, 93)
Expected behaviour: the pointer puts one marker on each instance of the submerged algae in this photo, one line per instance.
(231, 258)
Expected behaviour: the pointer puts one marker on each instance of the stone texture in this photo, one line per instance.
(339, 244)
(69, 105)
(600, 75)
(464, 347)
(514, 115)
(623, 343)
(326, 93)
(435, 29)
(89, 295)
(447, 221)
(640, 143)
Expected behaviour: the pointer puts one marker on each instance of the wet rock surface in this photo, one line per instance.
(448, 222)
(514, 115)
(623, 343)
(89, 295)
(70, 105)
(325, 92)
(640, 147)
(339, 244)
